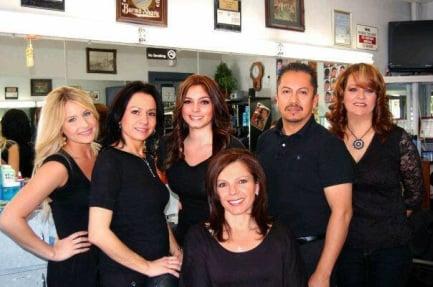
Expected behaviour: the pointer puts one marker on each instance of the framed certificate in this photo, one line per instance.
(342, 22)
(227, 15)
(11, 93)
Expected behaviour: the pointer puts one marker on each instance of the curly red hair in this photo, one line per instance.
(366, 76)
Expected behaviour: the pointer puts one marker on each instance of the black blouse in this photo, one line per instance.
(388, 181)
(124, 183)
(189, 183)
(275, 262)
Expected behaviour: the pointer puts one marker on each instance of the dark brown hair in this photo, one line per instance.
(221, 128)
(217, 221)
(365, 75)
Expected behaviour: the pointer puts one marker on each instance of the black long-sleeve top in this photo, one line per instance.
(388, 181)
(275, 262)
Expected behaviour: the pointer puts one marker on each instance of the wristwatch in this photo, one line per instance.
(256, 74)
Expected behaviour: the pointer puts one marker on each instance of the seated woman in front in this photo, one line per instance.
(239, 245)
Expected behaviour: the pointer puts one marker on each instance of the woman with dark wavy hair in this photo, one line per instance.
(201, 128)
(385, 159)
(127, 198)
(239, 245)
(16, 127)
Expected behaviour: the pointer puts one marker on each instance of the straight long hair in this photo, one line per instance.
(217, 221)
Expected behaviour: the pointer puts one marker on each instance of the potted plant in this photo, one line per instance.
(225, 79)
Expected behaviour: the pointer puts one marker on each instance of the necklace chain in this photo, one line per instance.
(358, 143)
(148, 166)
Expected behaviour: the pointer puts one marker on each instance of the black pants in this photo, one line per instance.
(374, 267)
(133, 279)
(310, 253)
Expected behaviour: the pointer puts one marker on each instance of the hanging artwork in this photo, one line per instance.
(285, 14)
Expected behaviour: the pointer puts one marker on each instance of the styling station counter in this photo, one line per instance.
(19, 268)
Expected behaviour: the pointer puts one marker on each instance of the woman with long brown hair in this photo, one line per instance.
(239, 245)
(201, 129)
(385, 159)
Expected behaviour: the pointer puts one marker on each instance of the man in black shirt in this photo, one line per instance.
(309, 174)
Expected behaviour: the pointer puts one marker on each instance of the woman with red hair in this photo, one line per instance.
(376, 252)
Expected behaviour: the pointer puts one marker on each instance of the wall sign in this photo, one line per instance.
(161, 54)
(366, 37)
(147, 12)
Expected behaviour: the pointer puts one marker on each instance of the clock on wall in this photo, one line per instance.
(256, 74)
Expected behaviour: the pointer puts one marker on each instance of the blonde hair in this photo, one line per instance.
(50, 138)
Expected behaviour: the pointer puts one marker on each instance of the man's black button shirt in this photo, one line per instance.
(298, 168)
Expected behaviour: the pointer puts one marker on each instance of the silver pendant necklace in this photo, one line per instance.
(358, 143)
(148, 166)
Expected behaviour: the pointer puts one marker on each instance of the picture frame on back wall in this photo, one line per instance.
(58, 5)
(40, 87)
(342, 27)
(101, 61)
(11, 93)
(285, 14)
(147, 12)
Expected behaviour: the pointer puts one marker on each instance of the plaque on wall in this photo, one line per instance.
(227, 15)
(147, 12)
(11, 93)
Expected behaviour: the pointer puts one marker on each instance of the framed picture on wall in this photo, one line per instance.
(285, 14)
(342, 26)
(147, 12)
(227, 15)
(58, 5)
(11, 93)
(40, 87)
(101, 61)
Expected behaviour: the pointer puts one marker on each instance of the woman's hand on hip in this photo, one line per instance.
(69, 246)
(168, 264)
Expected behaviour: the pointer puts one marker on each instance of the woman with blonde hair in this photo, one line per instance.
(377, 251)
(65, 156)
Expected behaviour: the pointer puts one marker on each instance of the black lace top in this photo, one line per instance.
(388, 181)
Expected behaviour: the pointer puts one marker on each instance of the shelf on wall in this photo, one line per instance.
(11, 104)
(408, 79)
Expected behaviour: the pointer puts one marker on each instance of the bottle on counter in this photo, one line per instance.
(9, 185)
